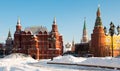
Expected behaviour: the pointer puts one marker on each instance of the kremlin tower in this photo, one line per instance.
(9, 40)
(82, 48)
(98, 37)
(84, 36)
(17, 37)
(73, 46)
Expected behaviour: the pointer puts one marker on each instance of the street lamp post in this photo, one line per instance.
(118, 30)
(112, 31)
(112, 45)
(4, 51)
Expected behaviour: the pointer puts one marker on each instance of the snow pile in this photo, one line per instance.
(106, 61)
(99, 61)
(21, 62)
(16, 55)
(16, 61)
(67, 59)
(19, 57)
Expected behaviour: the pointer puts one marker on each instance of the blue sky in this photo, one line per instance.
(69, 14)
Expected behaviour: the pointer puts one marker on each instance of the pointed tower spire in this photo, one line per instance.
(73, 45)
(9, 34)
(98, 22)
(73, 41)
(18, 26)
(9, 40)
(98, 11)
(84, 36)
(54, 21)
(18, 21)
(54, 26)
(84, 27)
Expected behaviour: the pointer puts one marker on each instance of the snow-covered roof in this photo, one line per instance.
(36, 29)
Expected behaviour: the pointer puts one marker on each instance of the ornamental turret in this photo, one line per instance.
(9, 40)
(18, 26)
(54, 26)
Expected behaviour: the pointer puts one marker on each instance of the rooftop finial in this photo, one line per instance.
(18, 21)
(98, 5)
(54, 21)
(98, 11)
(9, 34)
(84, 18)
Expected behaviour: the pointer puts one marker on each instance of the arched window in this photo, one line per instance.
(29, 32)
(40, 32)
(45, 32)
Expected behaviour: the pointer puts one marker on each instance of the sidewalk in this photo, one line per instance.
(87, 65)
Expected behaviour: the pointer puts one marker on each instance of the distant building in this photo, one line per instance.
(9, 44)
(73, 46)
(38, 42)
(6, 49)
(68, 47)
(82, 48)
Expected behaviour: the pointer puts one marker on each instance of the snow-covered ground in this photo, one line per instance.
(21, 62)
(101, 61)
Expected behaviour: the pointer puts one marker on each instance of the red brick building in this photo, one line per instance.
(37, 41)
